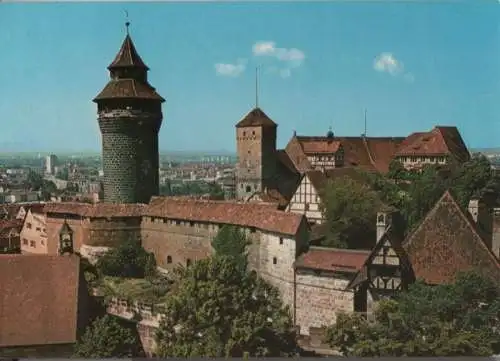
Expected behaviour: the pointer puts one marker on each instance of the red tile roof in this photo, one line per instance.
(440, 141)
(256, 118)
(38, 300)
(447, 242)
(332, 259)
(98, 210)
(260, 216)
(320, 145)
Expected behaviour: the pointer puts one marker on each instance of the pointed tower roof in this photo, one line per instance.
(256, 118)
(127, 56)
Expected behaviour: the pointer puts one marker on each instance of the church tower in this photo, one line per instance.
(256, 147)
(130, 117)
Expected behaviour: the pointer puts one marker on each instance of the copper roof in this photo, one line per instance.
(127, 56)
(439, 141)
(447, 242)
(332, 259)
(256, 118)
(39, 299)
(260, 216)
(128, 88)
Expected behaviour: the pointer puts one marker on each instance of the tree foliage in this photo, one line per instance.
(350, 208)
(460, 319)
(219, 310)
(106, 337)
(128, 260)
(232, 241)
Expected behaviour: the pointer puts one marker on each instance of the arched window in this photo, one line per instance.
(169, 259)
(188, 262)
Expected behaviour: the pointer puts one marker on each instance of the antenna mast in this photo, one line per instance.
(365, 123)
(257, 87)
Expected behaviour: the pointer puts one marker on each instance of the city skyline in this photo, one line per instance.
(412, 66)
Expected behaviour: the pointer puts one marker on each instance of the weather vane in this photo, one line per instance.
(127, 22)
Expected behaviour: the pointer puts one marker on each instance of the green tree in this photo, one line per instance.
(396, 171)
(350, 208)
(219, 310)
(460, 319)
(128, 260)
(216, 192)
(232, 241)
(106, 337)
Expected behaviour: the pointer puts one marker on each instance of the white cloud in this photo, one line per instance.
(232, 70)
(290, 58)
(388, 63)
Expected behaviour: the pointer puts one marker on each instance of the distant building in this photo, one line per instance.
(51, 163)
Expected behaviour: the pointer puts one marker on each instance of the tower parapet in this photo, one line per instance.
(130, 116)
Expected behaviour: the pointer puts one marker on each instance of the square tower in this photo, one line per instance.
(256, 148)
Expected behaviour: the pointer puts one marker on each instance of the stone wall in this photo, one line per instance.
(112, 232)
(130, 157)
(79, 225)
(319, 296)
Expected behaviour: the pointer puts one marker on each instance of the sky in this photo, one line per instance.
(411, 65)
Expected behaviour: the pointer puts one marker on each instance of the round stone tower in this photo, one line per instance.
(130, 117)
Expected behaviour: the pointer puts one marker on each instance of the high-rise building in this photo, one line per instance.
(50, 164)
(130, 117)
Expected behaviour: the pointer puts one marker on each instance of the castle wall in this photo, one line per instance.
(79, 226)
(320, 296)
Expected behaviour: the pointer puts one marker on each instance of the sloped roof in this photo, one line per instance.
(39, 299)
(442, 140)
(445, 243)
(128, 88)
(256, 118)
(127, 56)
(260, 216)
(332, 259)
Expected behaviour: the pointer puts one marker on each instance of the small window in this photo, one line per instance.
(244, 133)
(32, 244)
(188, 262)
(25, 241)
(253, 132)
(248, 151)
(169, 259)
(178, 223)
(191, 224)
(248, 189)
(28, 225)
(38, 229)
(275, 260)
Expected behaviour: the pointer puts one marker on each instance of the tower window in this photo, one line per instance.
(244, 133)
(248, 189)
(253, 132)
(188, 262)
(281, 240)
(248, 151)
(169, 259)
(275, 260)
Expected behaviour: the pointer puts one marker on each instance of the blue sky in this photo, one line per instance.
(412, 65)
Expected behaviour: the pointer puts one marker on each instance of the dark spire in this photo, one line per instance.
(127, 57)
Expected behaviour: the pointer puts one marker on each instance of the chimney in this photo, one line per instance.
(482, 215)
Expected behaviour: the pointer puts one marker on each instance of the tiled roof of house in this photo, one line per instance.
(439, 141)
(363, 152)
(127, 56)
(256, 118)
(447, 242)
(332, 259)
(39, 299)
(98, 210)
(128, 88)
(320, 178)
(260, 216)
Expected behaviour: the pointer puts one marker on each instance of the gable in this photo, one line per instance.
(447, 243)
